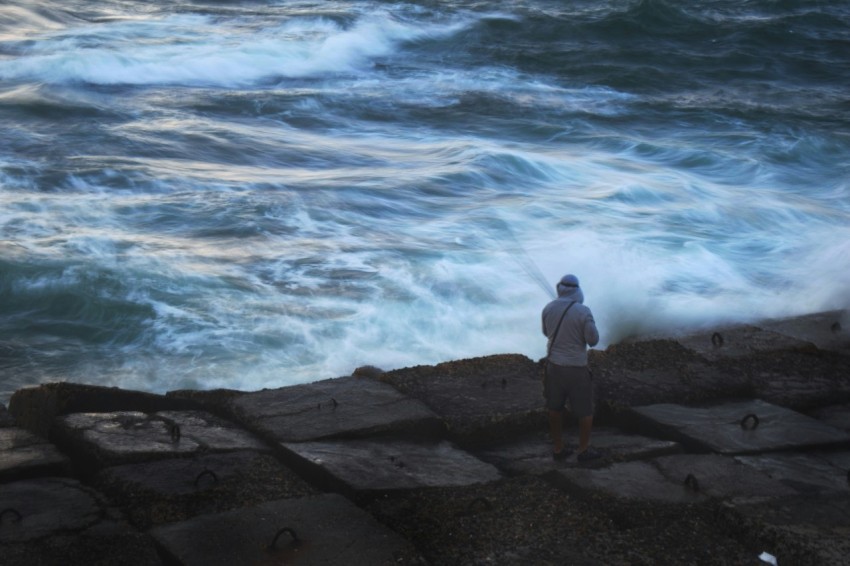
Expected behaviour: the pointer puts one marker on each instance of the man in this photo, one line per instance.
(570, 328)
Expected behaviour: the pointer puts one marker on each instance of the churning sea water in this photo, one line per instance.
(212, 193)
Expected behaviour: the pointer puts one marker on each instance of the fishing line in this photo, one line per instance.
(527, 263)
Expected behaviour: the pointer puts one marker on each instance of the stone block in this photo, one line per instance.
(807, 472)
(25, 455)
(531, 453)
(827, 330)
(176, 489)
(325, 529)
(367, 467)
(96, 440)
(342, 407)
(745, 427)
(60, 521)
(742, 341)
(480, 398)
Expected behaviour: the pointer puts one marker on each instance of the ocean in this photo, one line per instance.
(243, 194)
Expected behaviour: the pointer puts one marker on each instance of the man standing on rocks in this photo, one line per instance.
(570, 328)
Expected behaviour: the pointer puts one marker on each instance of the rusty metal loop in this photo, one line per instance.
(717, 339)
(691, 482)
(8, 510)
(751, 417)
(206, 473)
(295, 540)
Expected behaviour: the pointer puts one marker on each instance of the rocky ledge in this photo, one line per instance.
(718, 447)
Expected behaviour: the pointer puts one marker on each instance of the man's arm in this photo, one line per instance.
(591, 333)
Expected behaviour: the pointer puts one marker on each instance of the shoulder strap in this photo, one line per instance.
(557, 328)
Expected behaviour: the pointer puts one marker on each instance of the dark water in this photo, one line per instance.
(252, 194)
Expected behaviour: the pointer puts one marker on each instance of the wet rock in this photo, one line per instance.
(531, 453)
(25, 455)
(738, 428)
(480, 399)
(60, 521)
(343, 407)
(364, 468)
(165, 491)
(324, 529)
(34, 408)
(827, 330)
(103, 439)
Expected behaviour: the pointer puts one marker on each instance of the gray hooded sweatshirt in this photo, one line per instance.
(577, 331)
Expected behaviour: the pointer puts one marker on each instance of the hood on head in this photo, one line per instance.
(568, 287)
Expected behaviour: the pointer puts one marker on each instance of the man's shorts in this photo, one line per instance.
(569, 382)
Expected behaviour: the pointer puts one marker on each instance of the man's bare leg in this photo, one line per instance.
(585, 425)
(556, 430)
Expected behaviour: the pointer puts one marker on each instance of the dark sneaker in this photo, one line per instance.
(562, 455)
(589, 455)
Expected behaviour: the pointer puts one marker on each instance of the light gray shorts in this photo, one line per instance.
(569, 382)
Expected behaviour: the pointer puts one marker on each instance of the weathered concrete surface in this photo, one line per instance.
(827, 330)
(6, 419)
(834, 415)
(60, 521)
(330, 530)
(34, 408)
(807, 472)
(530, 453)
(164, 491)
(742, 341)
(343, 407)
(105, 439)
(739, 428)
(480, 398)
(362, 468)
(25, 455)
(628, 480)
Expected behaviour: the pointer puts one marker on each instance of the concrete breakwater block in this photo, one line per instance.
(638, 480)
(23, 454)
(60, 521)
(478, 398)
(720, 477)
(531, 453)
(103, 439)
(809, 472)
(176, 489)
(6, 419)
(325, 529)
(742, 341)
(827, 330)
(365, 467)
(739, 428)
(342, 407)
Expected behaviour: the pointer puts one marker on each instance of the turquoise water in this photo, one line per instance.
(253, 194)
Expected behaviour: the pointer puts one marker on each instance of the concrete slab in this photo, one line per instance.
(366, 467)
(531, 453)
(827, 330)
(326, 529)
(742, 341)
(837, 416)
(97, 440)
(809, 472)
(738, 428)
(25, 455)
(479, 398)
(177, 489)
(60, 521)
(640, 481)
(721, 477)
(342, 407)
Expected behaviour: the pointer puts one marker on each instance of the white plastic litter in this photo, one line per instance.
(769, 558)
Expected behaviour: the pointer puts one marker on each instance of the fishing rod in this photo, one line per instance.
(525, 261)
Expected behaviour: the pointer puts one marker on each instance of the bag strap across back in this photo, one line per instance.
(557, 329)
